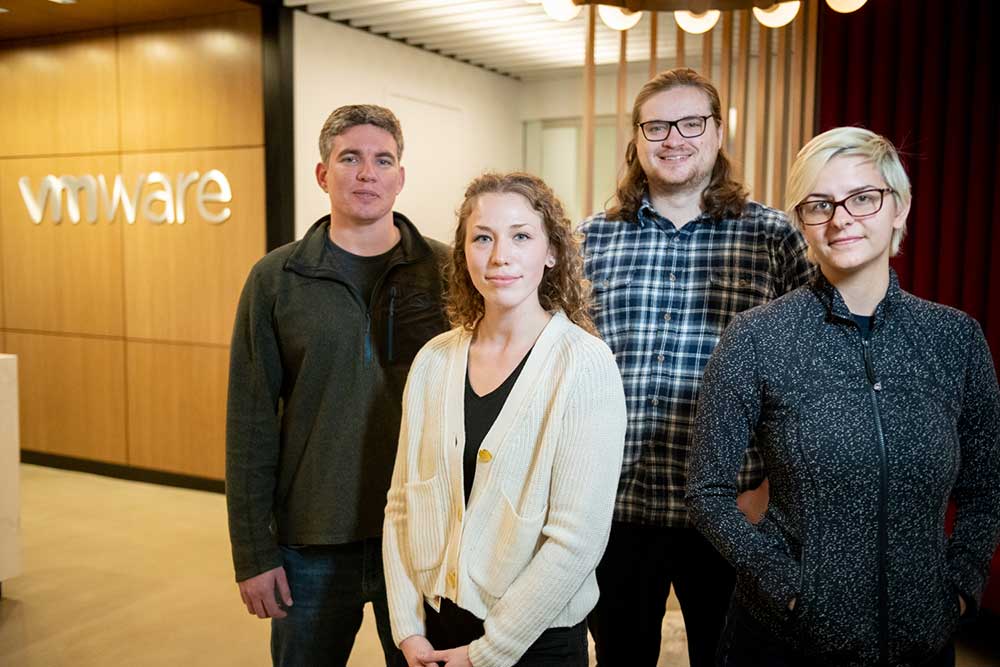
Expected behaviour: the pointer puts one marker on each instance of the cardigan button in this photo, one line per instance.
(452, 579)
(485, 456)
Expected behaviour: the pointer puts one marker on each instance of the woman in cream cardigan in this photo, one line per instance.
(509, 450)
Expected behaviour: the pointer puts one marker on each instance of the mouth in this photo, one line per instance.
(845, 241)
(501, 281)
(674, 157)
(366, 194)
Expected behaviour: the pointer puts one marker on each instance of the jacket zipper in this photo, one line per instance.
(874, 386)
(392, 313)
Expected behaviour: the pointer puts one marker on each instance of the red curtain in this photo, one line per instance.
(924, 74)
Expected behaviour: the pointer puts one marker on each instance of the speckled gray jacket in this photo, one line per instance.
(864, 442)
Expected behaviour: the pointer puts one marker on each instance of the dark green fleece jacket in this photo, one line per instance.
(316, 382)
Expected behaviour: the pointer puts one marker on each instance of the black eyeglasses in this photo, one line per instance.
(859, 205)
(688, 127)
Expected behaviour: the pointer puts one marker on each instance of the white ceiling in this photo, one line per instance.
(513, 37)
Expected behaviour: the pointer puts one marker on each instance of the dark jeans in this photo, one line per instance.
(330, 585)
(639, 566)
(556, 647)
(747, 643)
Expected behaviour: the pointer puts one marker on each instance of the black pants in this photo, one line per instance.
(556, 647)
(747, 643)
(639, 566)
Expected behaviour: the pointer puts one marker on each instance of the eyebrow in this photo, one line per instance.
(849, 192)
(357, 151)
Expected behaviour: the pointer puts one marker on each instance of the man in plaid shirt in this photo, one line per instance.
(678, 255)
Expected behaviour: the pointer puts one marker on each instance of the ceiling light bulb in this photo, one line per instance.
(3, 10)
(777, 15)
(697, 23)
(617, 18)
(845, 6)
(64, 2)
(561, 10)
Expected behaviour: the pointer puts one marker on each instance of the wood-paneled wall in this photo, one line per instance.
(122, 329)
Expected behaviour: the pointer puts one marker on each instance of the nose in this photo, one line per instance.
(366, 171)
(673, 137)
(498, 257)
(841, 217)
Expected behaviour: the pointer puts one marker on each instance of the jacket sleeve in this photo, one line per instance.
(253, 432)
(729, 406)
(406, 603)
(977, 490)
(585, 471)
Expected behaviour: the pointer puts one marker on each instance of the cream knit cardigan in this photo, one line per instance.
(522, 555)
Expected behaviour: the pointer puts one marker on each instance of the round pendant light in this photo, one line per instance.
(561, 10)
(696, 24)
(845, 6)
(617, 18)
(777, 15)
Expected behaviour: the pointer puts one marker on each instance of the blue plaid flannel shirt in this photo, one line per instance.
(662, 297)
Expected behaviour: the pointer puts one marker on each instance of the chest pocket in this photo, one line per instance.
(612, 309)
(408, 317)
(732, 290)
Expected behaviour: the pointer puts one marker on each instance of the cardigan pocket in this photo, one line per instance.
(425, 522)
(506, 546)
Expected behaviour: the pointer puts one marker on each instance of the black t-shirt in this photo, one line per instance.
(864, 323)
(361, 272)
(480, 413)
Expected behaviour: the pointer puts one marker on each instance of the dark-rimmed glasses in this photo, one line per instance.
(858, 205)
(688, 127)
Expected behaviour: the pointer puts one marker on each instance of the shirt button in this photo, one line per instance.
(666, 317)
(607, 284)
(743, 282)
(659, 358)
(655, 401)
(485, 456)
(673, 278)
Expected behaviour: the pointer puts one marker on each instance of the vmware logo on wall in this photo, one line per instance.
(153, 196)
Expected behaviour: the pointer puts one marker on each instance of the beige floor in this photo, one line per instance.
(131, 574)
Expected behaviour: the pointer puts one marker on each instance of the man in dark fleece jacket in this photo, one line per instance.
(325, 332)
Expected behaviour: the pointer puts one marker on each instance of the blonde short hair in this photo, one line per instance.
(854, 142)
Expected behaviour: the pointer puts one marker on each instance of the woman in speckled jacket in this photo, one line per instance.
(871, 408)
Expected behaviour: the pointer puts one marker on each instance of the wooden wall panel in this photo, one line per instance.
(193, 83)
(72, 395)
(59, 96)
(59, 277)
(177, 407)
(182, 281)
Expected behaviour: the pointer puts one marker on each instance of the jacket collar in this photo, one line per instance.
(836, 307)
(309, 257)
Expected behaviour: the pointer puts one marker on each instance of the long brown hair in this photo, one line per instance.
(563, 285)
(723, 198)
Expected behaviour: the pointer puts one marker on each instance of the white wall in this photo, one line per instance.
(458, 120)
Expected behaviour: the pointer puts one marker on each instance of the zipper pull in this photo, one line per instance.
(392, 314)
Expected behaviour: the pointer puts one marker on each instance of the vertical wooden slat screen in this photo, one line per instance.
(780, 121)
(587, 129)
(679, 54)
(795, 91)
(706, 54)
(763, 90)
(620, 112)
(809, 88)
(742, 88)
(725, 73)
(653, 25)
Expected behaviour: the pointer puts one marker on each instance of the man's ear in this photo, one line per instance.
(321, 175)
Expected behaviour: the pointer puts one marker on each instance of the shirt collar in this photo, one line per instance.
(648, 215)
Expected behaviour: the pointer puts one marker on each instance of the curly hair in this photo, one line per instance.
(563, 285)
(723, 198)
